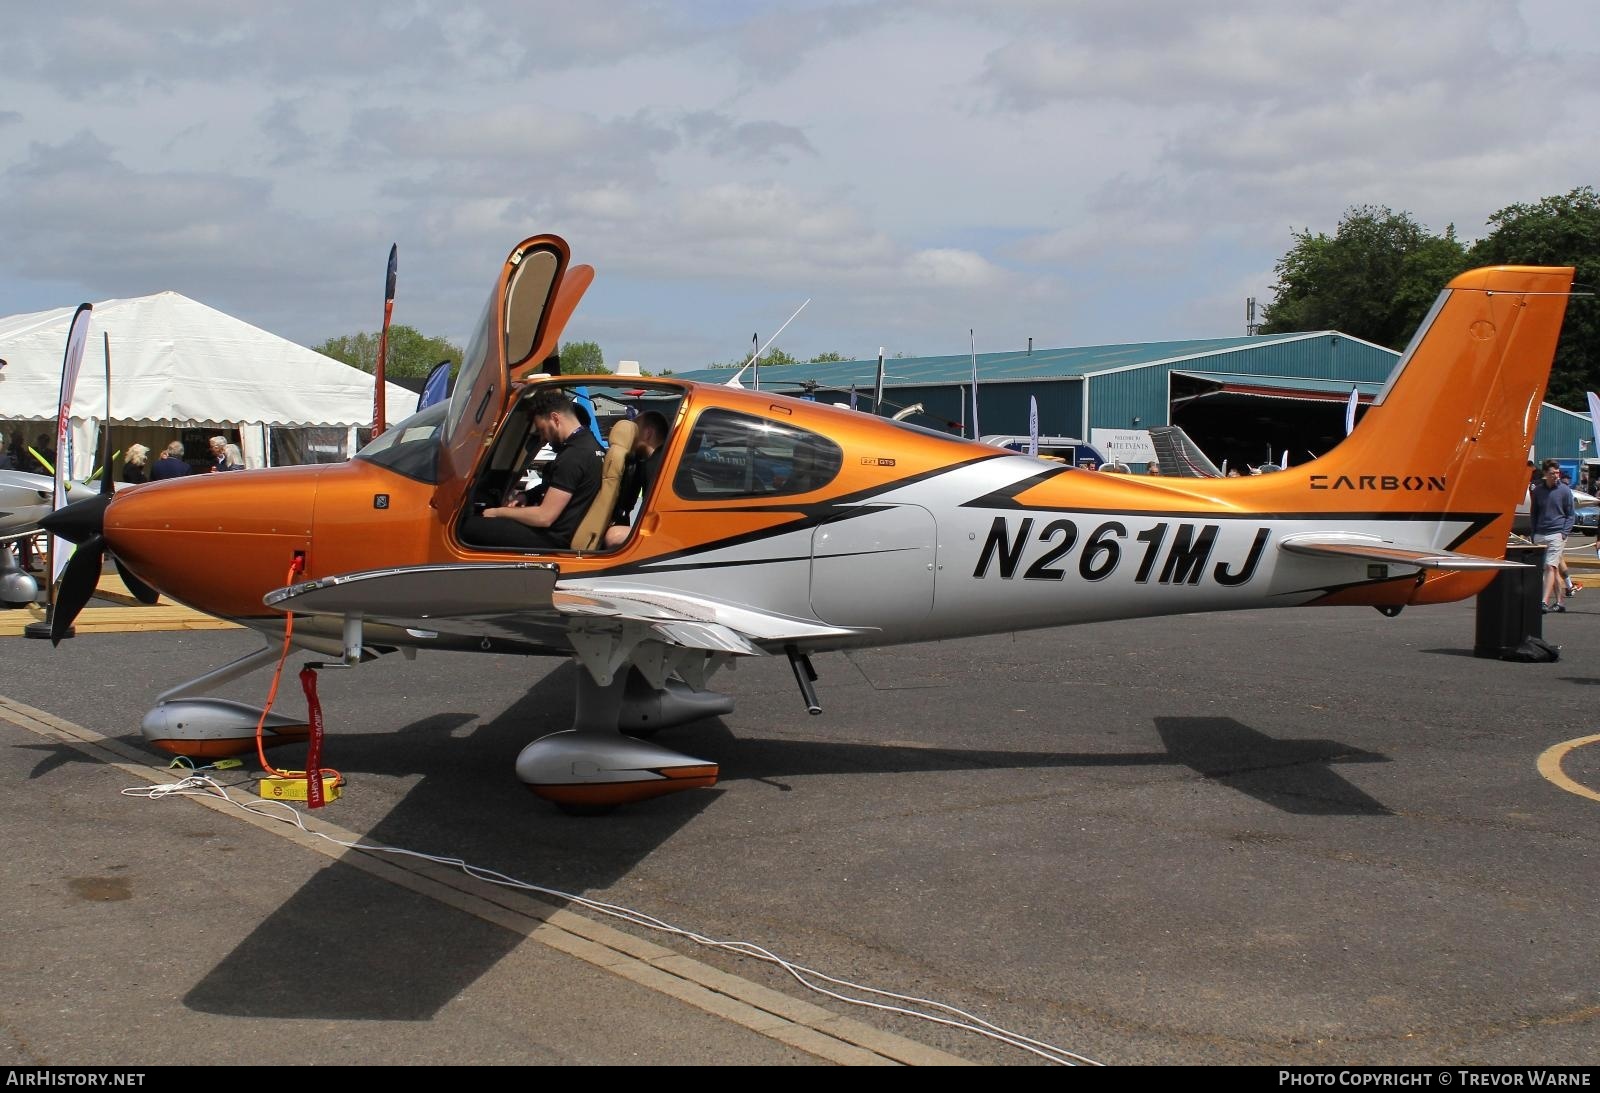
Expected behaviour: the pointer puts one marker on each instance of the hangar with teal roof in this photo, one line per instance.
(1238, 398)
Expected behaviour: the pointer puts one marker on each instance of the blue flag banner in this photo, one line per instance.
(436, 387)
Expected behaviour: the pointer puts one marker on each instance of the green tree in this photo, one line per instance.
(411, 353)
(583, 359)
(773, 356)
(1374, 279)
(828, 358)
(1557, 231)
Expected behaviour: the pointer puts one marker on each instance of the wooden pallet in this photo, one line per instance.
(131, 617)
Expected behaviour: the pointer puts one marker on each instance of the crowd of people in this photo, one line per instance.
(17, 455)
(40, 458)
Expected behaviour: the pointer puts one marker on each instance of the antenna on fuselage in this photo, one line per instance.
(734, 382)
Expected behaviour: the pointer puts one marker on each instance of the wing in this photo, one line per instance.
(1374, 549)
(605, 624)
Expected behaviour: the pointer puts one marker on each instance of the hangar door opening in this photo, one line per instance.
(1250, 420)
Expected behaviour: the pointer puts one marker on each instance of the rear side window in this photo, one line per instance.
(733, 455)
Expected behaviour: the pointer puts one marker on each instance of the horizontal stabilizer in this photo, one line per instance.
(1370, 548)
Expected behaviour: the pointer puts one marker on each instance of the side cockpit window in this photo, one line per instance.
(731, 455)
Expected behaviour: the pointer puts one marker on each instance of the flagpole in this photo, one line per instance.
(976, 432)
(77, 334)
(380, 384)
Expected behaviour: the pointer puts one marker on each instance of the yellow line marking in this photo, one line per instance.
(1550, 766)
(760, 1009)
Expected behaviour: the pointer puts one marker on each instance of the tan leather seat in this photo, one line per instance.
(591, 532)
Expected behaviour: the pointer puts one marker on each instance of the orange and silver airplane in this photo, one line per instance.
(782, 527)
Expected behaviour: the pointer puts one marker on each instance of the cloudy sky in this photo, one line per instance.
(1075, 172)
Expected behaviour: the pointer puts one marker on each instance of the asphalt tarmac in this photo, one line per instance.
(1302, 836)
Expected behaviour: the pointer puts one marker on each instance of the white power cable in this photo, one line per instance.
(810, 978)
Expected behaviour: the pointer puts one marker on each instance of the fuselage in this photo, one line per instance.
(912, 536)
(881, 531)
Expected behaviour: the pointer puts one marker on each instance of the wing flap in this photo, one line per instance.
(1370, 548)
(706, 637)
(654, 605)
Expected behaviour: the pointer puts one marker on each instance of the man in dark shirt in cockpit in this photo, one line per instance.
(570, 484)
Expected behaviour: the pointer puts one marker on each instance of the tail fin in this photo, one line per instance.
(1457, 418)
(1451, 431)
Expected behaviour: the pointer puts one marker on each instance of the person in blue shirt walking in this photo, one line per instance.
(1552, 512)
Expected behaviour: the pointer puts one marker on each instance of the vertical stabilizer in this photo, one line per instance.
(1451, 430)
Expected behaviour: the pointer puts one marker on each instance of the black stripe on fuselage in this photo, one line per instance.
(808, 515)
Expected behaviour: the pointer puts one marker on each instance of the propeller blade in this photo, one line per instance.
(80, 521)
(77, 585)
(141, 591)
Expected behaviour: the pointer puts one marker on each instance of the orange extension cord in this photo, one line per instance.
(295, 567)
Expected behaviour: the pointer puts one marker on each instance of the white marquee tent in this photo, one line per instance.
(175, 364)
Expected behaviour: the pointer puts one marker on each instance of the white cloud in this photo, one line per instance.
(1075, 172)
(948, 267)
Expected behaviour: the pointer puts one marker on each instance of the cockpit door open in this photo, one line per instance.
(514, 329)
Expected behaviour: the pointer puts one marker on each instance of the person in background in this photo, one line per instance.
(171, 464)
(45, 462)
(234, 457)
(219, 455)
(1153, 469)
(135, 466)
(1551, 514)
(1572, 586)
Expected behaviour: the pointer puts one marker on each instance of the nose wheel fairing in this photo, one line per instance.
(216, 728)
(184, 722)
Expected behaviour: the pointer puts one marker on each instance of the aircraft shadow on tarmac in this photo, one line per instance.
(350, 946)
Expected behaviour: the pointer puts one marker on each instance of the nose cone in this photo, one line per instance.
(79, 521)
(218, 542)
